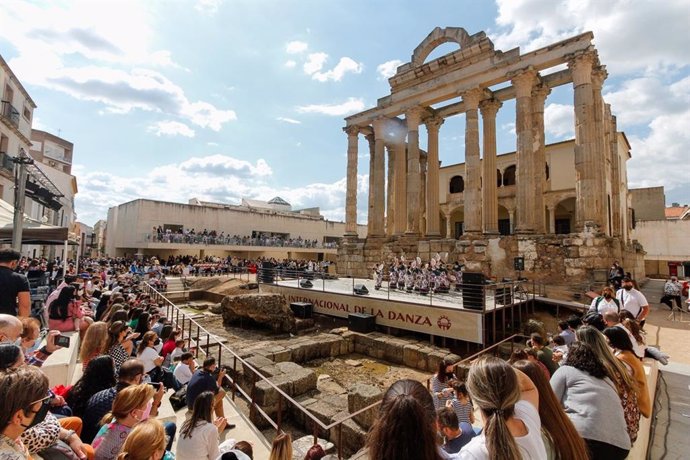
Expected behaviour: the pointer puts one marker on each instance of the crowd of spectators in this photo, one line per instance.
(191, 236)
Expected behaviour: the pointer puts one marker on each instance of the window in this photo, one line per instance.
(457, 184)
(499, 178)
(27, 113)
(547, 171)
(459, 229)
(504, 226)
(509, 176)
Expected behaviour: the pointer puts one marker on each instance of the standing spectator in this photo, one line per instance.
(199, 434)
(672, 291)
(566, 332)
(544, 353)
(509, 404)
(633, 300)
(440, 383)
(616, 274)
(605, 302)
(15, 296)
(282, 447)
(455, 434)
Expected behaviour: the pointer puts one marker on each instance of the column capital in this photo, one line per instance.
(539, 93)
(599, 74)
(434, 123)
(380, 124)
(413, 116)
(523, 80)
(580, 64)
(370, 137)
(351, 130)
(489, 107)
(472, 97)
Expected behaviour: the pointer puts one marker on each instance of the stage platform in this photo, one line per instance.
(456, 315)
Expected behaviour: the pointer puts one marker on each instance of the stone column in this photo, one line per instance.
(449, 226)
(552, 219)
(599, 154)
(524, 82)
(422, 191)
(615, 180)
(400, 187)
(432, 211)
(586, 207)
(511, 217)
(351, 187)
(472, 195)
(370, 198)
(539, 94)
(413, 117)
(489, 108)
(379, 175)
(390, 190)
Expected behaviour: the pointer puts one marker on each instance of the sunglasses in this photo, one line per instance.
(44, 401)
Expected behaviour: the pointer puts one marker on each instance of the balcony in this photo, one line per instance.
(9, 113)
(6, 164)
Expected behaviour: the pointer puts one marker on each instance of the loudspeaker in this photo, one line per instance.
(473, 290)
(266, 273)
(519, 264)
(360, 289)
(306, 284)
(303, 310)
(361, 322)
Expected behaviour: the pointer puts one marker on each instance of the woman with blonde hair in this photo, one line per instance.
(95, 341)
(132, 405)
(509, 405)
(282, 447)
(146, 441)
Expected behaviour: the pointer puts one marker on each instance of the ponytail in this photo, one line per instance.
(499, 441)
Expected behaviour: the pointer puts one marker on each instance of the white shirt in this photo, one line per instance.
(175, 353)
(632, 300)
(531, 445)
(182, 373)
(147, 357)
(202, 445)
(604, 305)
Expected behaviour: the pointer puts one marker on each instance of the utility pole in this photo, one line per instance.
(20, 175)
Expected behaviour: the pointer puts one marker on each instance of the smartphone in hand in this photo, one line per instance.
(62, 341)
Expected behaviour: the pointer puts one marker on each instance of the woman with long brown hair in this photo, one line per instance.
(562, 439)
(282, 447)
(405, 428)
(509, 405)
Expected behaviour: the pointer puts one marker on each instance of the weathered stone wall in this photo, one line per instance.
(265, 309)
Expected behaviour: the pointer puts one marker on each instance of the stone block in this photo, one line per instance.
(283, 355)
(360, 396)
(266, 396)
(479, 249)
(265, 309)
(414, 358)
(323, 411)
(349, 434)
(434, 358)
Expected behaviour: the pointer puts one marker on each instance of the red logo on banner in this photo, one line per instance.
(443, 322)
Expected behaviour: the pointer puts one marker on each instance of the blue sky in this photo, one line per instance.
(228, 99)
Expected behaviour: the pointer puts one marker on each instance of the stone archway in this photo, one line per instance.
(439, 36)
(564, 215)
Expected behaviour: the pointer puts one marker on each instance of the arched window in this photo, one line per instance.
(547, 171)
(499, 178)
(509, 176)
(457, 184)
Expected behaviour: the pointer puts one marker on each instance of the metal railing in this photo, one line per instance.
(177, 238)
(9, 112)
(193, 331)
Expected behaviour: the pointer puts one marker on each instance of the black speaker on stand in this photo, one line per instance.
(306, 284)
(473, 290)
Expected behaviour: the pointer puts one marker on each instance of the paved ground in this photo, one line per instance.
(669, 439)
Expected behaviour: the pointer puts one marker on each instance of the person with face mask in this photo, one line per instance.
(607, 301)
(24, 402)
(131, 406)
(15, 297)
(146, 441)
(11, 330)
(633, 300)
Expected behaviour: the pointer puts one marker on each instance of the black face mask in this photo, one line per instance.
(40, 415)
(627, 287)
(607, 295)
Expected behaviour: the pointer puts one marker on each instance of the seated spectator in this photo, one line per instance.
(594, 320)
(462, 404)
(133, 318)
(565, 332)
(618, 339)
(440, 388)
(29, 338)
(143, 324)
(561, 439)
(23, 404)
(544, 353)
(406, 425)
(119, 343)
(10, 331)
(315, 452)
(591, 402)
(11, 356)
(639, 343)
(170, 343)
(199, 434)
(178, 351)
(158, 326)
(531, 355)
(146, 441)
(203, 380)
(509, 405)
(560, 349)
(153, 362)
(99, 375)
(282, 447)
(94, 343)
(242, 450)
(185, 368)
(131, 406)
(455, 434)
(66, 314)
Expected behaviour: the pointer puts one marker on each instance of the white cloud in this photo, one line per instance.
(212, 144)
(559, 121)
(291, 121)
(352, 105)
(290, 64)
(344, 66)
(171, 128)
(208, 6)
(296, 47)
(629, 36)
(315, 62)
(388, 68)
(641, 100)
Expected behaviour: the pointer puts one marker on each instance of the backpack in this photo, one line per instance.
(178, 400)
(615, 300)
